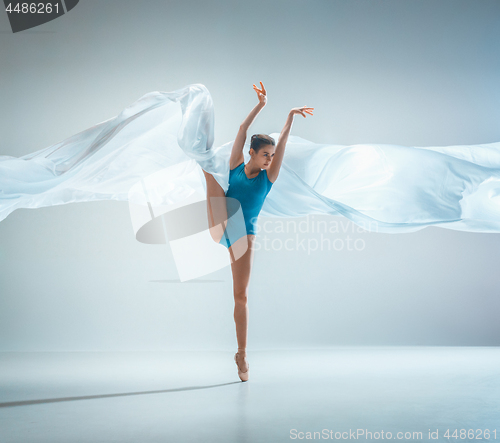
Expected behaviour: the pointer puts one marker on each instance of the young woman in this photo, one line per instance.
(249, 184)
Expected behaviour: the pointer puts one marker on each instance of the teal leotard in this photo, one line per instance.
(250, 193)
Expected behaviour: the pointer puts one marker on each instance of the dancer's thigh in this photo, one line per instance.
(216, 207)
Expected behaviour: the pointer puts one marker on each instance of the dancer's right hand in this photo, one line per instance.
(301, 111)
(261, 93)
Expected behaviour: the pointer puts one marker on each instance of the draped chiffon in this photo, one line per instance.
(381, 187)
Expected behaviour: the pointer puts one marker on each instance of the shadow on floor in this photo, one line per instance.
(91, 397)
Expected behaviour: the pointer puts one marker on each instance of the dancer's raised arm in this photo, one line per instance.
(274, 168)
(237, 151)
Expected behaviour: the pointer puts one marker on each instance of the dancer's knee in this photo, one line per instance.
(241, 296)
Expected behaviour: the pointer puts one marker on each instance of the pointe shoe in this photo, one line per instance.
(243, 375)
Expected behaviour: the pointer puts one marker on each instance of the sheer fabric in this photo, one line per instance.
(381, 187)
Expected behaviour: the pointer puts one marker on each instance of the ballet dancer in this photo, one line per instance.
(249, 184)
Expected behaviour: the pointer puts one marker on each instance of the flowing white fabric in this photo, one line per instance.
(383, 188)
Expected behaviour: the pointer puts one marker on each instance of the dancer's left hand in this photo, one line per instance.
(261, 93)
(302, 111)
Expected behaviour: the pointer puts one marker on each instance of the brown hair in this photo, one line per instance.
(259, 140)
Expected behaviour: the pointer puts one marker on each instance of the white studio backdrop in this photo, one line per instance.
(421, 73)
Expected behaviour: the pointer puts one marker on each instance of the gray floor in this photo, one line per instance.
(197, 396)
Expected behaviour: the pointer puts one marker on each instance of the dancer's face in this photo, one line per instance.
(264, 156)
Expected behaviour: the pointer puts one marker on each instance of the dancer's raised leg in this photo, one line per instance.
(216, 207)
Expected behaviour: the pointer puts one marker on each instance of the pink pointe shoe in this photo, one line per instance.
(243, 375)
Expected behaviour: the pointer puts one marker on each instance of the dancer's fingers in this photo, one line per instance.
(262, 91)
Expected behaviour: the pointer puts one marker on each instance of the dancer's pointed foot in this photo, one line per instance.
(243, 366)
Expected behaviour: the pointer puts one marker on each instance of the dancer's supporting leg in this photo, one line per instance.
(241, 269)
